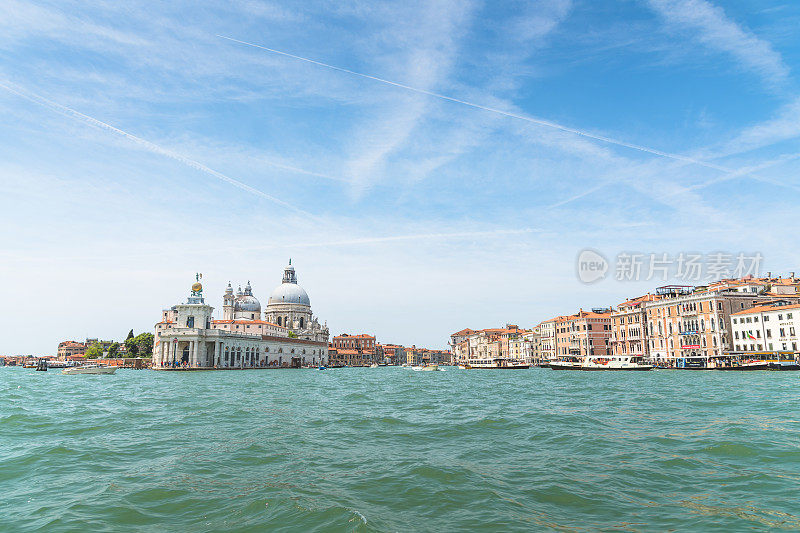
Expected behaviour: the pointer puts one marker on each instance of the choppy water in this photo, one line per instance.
(392, 450)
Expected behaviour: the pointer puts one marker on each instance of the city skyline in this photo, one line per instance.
(139, 147)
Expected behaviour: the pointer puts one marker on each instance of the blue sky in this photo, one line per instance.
(407, 215)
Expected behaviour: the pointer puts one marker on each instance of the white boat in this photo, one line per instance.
(502, 363)
(374, 365)
(603, 362)
(90, 369)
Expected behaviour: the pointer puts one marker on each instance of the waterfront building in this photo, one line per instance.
(468, 345)
(629, 327)
(346, 357)
(586, 333)
(423, 356)
(774, 327)
(532, 346)
(547, 339)
(459, 344)
(68, 349)
(394, 354)
(689, 325)
(364, 344)
(188, 335)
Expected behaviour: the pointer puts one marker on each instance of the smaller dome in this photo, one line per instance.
(247, 303)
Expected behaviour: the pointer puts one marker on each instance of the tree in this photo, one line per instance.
(112, 349)
(144, 345)
(95, 351)
(131, 347)
(130, 335)
(292, 335)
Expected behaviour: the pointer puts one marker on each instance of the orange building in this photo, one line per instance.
(629, 327)
(584, 333)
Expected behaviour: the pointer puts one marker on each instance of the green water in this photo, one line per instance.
(388, 449)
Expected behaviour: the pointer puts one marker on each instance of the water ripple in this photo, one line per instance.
(392, 450)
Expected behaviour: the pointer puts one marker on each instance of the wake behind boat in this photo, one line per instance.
(90, 369)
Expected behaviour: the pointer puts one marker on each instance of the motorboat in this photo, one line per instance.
(427, 368)
(374, 365)
(90, 369)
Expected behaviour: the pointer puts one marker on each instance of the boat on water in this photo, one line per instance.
(322, 368)
(374, 365)
(601, 363)
(90, 369)
(499, 363)
(752, 364)
(427, 368)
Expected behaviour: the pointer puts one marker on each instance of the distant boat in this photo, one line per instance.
(90, 369)
(322, 368)
(374, 365)
(427, 368)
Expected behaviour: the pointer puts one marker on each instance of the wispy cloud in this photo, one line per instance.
(712, 27)
(33, 97)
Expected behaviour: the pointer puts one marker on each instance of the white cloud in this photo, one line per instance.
(713, 28)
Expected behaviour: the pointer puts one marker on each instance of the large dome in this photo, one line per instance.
(289, 293)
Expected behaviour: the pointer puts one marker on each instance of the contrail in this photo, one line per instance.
(540, 122)
(390, 238)
(35, 98)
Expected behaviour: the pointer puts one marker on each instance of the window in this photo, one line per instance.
(734, 321)
(782, 332)
(736, 335)
(190, 322)
(755, 319)
(780, 317)
(788, 316)
(766, 318)
(769, 333)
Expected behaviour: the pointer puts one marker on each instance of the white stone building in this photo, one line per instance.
(188, 335)
(767, 328)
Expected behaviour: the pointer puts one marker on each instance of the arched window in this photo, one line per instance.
(279, 321)
(190, 322)
(301, 322)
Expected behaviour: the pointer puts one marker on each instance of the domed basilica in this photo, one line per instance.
(288, 335)
(289, 306)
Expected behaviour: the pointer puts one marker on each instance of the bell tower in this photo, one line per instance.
(227, 303)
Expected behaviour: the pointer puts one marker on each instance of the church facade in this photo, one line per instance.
(288, 334)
